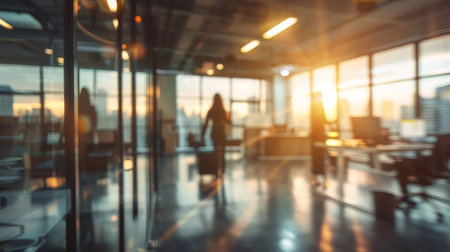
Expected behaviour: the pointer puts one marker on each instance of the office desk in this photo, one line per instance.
(340, 146)
(285, 144)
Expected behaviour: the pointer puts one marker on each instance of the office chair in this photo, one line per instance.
(423, 171)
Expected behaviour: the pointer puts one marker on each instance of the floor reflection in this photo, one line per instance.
(270, 206)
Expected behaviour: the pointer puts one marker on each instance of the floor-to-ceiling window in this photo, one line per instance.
(188, 107)
(300, 100)
(353, 91)
(241, 97)
(393, 87)
(324, 82)
(390, 86)
(434, 84)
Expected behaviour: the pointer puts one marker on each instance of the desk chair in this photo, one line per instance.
(424, 171)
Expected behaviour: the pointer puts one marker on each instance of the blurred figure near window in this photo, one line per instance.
(220, 122)
(318, 122)
(87, 124)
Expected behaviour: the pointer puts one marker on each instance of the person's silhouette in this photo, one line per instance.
(317, 135)
(87, 123)
(220, 119)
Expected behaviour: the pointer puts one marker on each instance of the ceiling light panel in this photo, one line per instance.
(250, 46)
(5, 24)
(288, 22)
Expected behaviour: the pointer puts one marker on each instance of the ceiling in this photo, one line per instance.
(193, 35)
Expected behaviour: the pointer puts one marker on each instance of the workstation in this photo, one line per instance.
(212, 125)
(411, 156)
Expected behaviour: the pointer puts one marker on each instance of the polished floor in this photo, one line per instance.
(258, 206)
(270, 206)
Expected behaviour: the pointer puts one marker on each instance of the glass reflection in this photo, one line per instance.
(32, 173)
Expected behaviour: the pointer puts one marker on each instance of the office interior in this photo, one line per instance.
(103, 103)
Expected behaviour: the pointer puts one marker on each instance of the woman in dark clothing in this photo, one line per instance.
(87, 124)
(318, 122)
(220, 119)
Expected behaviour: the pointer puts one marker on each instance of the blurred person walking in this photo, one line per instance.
(220, 121)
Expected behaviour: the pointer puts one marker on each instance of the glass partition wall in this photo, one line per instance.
(33, 189)
(75, 127)
(406, 82)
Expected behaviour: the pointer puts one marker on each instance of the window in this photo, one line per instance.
(435, 103)
(188, 107)
(393, 102)
(211, 86)
(353, 90)
(86, 78)
(105, 99)
(352, 102)
(53, 79)
(324, 81)
(434, 57)
(240, 97)
(245, 89)
(20, 77)
(394, 64)
(354, 72)
(299, 89)
(141, 111)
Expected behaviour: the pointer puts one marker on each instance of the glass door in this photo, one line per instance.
(33, 189)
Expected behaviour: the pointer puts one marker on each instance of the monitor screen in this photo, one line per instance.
(413, 128)
(367, 128)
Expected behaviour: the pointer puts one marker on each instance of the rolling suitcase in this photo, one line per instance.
(207, 163)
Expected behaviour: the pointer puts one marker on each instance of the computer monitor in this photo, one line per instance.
(368, 129)
(413, 128)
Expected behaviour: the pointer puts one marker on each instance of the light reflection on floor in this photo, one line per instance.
(260, 206)
(265, 206)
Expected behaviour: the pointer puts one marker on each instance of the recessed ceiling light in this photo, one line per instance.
(284, 72)
(60, 60)
(250, 46)
(209, 72)
(125, 55)
(111, 5)
(48, 51)
(280, 27)
(115, 23)
(219, 66)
